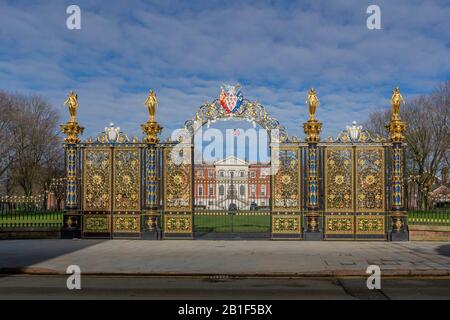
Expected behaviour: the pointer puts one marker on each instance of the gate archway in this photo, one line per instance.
(234, 197)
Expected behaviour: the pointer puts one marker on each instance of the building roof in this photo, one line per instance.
(231, 160)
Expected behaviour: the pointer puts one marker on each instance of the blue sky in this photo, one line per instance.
(185, 50)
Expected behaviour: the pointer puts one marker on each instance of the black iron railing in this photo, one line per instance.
(28, 211)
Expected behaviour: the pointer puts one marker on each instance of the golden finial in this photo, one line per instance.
(71, 128)
(313, 103)
(396, 127)
(72, 103)
(312, 127)
(151, 104)
(151, 128)
(396, 101)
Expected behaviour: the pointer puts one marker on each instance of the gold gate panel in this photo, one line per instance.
(96, 223)
(127, 175)
(175, 223)
(286, 191)
(97, 179)
(127, 223)
(339, 179)
(286, 181)
(339, 224)
(354, 192)
(370, 224)
(370, 179)
(177, 179)
(286, 224)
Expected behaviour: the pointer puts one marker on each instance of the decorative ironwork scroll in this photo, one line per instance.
(286, 181)
(126, 223)
(338, 179)
(97, 179)
(96, 223)
(248, 111)
(370, 224)
(177, 179)
(178, 223)
(127, 175)
(339, 224)
(370, 179)
(286, 224)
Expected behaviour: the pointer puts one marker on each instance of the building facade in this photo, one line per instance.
(232, 182)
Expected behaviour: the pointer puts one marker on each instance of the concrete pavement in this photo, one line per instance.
(232, 258)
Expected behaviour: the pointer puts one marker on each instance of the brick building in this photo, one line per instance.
(231, 181)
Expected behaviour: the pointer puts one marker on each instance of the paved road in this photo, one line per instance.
(201, 257)
(132, 287)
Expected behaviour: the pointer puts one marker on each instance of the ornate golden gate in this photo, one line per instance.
(347, 188)
(287, 201)
(177, 186)
(111, 190)
(355, 187)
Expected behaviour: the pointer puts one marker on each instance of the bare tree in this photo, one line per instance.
(34, 144)
(427, 136)
(6, 136)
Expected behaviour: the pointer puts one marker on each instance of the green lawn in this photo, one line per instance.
(231, 223)
(432, 217)
(32, 219)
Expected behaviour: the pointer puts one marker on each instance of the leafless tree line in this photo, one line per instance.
(427, 138)
(30, 146)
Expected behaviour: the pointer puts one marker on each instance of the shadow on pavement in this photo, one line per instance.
(17, 255)
(444, 250)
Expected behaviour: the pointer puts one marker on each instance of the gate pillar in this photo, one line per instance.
(398, 230)
(151, 218)
(72, 218)
(312, 130)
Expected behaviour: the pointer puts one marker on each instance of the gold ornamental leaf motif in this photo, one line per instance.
(286, 225)
(339, 179)
(178, 224)
(126, 179)
(96, 179)
(286, 179)
(96, 223)
(340, 224)
(370, 179)
(370, 224)
(126, 224)
(177, 179)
